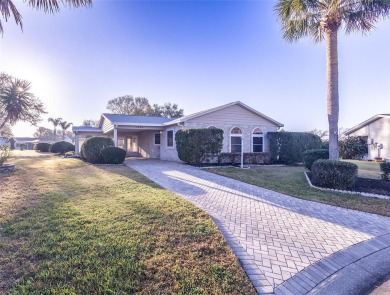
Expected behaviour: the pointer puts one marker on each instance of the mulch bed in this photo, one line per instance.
(372, 186)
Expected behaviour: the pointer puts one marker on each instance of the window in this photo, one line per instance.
(235, 140)
(170, 138)
(257, 140)
(157, 138)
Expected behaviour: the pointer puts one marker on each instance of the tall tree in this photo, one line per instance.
(167, 110)
(9, 10)
(17, 103)
(91, 123)
(128, 105)
(43, 132)
(322, 19)
(64, 126)
(55, 122)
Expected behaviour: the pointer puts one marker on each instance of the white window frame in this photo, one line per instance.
(154, 138)
(234, 135)
(257, 135)
(173, 139)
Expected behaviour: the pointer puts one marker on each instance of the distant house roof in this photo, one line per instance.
(195, 115)
(86, 129)
(369, 121)
(117, 119)
(33, 139)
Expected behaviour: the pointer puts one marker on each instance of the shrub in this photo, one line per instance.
(5, 153)
(61, 147)
(91, 148)
(334, 174)
(288, 147)
(310, 156)
(22, 146)
(113, 155)
(43, 147)
(193, 144)
(385, 168)
(353, 147)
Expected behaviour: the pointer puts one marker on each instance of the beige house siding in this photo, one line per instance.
(106, 126)
(242, 118)
(377, 132)
(169, 153)
(147, 148)
(235, 113)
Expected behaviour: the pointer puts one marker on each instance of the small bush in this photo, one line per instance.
(113, 155)
(334, 174)
(91, 149)
(310, 156)
(235, 158)
(5, 153)
(353, 147)
(385, 168)
(42, 147)
(61, 147)
(22, 146)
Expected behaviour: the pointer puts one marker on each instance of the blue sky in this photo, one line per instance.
(199, 54)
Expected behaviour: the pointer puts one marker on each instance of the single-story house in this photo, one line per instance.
(154, 137)
(376, 132)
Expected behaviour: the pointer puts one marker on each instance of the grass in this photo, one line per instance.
(290, 180)
(367, 169)
(67, 227)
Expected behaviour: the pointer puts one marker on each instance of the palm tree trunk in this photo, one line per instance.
(332, 92)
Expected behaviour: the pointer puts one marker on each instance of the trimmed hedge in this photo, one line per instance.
(43, 147)
(334, 174)
(235, 158)
(385, 168)
(353, 147)
(288, 147)
(310, 156)
(91, 149)
(61, 147)
(113, 155)
(193, 144)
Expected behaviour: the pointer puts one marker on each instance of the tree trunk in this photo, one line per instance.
(332, 92)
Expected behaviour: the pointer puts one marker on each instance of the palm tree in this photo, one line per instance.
(8, 8)
(55, 122)
(17, 103)
(64, 125)
(322, 19)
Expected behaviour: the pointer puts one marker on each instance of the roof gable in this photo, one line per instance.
(365, 123)
(209, 111)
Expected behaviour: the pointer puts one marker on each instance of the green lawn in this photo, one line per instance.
(367, 169)
(67, 227)
(291, 180)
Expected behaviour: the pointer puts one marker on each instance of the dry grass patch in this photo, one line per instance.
(73, 228)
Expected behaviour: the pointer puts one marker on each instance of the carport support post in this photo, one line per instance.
(76, 144)
(115, 136)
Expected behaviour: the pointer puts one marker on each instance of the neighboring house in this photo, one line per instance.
(154, 137)
(29, 142)
(376, 132)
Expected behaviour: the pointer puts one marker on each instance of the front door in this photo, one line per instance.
(132, 145)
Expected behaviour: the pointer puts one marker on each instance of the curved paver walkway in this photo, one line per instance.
(275, 236)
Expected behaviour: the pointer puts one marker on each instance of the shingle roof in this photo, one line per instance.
(86, 128)
(127, 119)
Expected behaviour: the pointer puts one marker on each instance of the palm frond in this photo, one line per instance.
(8, 9)
(52, 6)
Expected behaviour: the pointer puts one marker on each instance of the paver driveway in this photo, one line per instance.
(275, 236)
